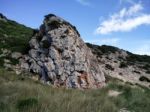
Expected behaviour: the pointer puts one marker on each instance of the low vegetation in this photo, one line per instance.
(123, 65)
(14, 36)
(21, 94)
(101, 50)
(145, 79)
(107, 66)
(135, 58)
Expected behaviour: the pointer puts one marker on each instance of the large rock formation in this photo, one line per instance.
(59, 55)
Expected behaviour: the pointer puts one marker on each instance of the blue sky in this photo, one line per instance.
(121, 23)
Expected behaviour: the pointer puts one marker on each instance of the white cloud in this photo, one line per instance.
(105, 41)
(83, 2)
(125, 20)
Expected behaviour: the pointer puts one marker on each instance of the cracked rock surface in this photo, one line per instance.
(58, 52)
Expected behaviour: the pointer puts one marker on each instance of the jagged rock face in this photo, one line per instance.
(58, 52)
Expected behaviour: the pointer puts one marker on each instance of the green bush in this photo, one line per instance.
(104, 49)
(107, 66)
(26, 104)
(14, 35)
(148, 72)
(138, 58)
(137, 72)
(146, 67)
(123, 65)
(143, 78)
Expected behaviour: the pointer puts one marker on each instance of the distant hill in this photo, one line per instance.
(122, 64)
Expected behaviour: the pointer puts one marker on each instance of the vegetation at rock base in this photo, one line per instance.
(21, 94)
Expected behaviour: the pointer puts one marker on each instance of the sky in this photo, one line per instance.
(121, 23)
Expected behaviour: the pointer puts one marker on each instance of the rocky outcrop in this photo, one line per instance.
(117, 63)
(59, 55)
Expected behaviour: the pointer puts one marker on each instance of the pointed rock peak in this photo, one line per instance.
(52, 21)
(60, 56)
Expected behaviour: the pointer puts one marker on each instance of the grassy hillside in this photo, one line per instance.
(21, 94)
(14, 36)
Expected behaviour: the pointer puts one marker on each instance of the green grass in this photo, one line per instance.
(21, 94)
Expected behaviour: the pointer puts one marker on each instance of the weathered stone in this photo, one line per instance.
(6, 61)
(34, 43)
(8, 66)
(24, 65)
(63, 57)
(16, 55)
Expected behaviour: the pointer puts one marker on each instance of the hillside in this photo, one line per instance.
(14, 37)
(115, 62)
(127, 79)
(123, 65)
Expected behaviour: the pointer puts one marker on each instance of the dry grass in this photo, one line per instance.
(21, 94)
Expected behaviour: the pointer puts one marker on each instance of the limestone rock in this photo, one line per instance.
(16, 55)
(59, 55)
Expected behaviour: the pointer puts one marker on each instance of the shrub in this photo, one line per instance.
(26, 103)
(145, 79)
(54, 24)
(107, 66)
(123, 65)
(2, 106)
(137, 72)
(46, 44)
(138, 58)
(148, 72)
(146, 67)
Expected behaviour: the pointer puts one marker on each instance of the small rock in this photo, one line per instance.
(113, 93)
(6, 61)
(16, 55)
